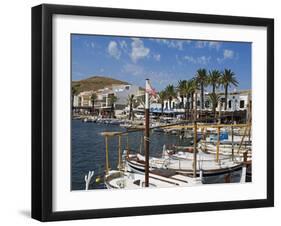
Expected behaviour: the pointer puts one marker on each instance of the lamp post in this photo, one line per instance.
(232, 135)
(146, 133)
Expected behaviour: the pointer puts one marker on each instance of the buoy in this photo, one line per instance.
(97, 179)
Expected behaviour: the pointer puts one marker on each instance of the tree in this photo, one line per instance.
(227, 79)
(182, 90)
(171, 93)
(93, 100)
(185, 89)
(214, 99)
(112, 100)
(141, 100)
(74, 92)
(161, 98)
(188, 90)
(131, 103)
(201, 77)
(214, 79)
(193, 90)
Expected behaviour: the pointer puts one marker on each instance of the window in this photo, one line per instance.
(229, 104)
(207, 104)
(242, 103)
(198, 103)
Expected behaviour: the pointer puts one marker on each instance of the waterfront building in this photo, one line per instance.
(236, 101)
(103, 103)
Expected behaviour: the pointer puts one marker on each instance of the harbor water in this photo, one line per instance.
(88, 150)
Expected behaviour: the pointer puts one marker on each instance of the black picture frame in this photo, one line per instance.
(42, 111)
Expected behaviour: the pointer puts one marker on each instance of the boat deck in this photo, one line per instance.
(126, 180)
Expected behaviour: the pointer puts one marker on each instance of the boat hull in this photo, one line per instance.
(225, 175)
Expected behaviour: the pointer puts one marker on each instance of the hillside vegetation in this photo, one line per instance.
(95, 83)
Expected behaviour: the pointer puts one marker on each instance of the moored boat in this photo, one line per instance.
(182, 163)
(157, 179)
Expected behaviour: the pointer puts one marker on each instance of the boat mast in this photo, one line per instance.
(146, 133)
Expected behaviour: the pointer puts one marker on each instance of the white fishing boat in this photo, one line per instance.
(181, 162)
(228, 146)
(226, 150)
(157, 179)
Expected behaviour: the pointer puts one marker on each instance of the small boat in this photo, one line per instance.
(158, 130)
(126, 125)
(157, 179)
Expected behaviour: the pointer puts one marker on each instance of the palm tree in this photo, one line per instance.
(193, 90)
(162, 97)
(214, 99)
(93, 100)
(131, 102)
(227, 79)
(141, 100)
(185, 89)
(189, 91)
(171, 93)
(74, 92)
(182, 90)
(214, 79)
(112, 100)
(201, 77)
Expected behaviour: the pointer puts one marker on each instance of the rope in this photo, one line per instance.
(146, 138)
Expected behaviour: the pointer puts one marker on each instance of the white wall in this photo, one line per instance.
(15, 126)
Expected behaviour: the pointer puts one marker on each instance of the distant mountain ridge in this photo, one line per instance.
(96, 82)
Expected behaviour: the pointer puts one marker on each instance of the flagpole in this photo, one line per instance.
(146, 133)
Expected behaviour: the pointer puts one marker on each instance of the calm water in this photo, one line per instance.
(88, 149)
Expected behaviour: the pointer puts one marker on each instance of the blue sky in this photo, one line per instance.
(164, 61)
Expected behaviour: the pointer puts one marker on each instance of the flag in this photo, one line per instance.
(150, 90)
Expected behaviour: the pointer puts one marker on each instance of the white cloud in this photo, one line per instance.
(190, 59)
(139, 51)
(89, 44)
(123, 44)
(198, 60)
(200, 44)
(176, 44)
(210, 44)
(215, 45)
(157, 57)
(113, 50)
(203, 60)
(228, 54)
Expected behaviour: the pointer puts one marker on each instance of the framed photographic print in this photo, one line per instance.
(146, 112)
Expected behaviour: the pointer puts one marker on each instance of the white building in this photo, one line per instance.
(121, 92)
(83, 99)
(236, 101)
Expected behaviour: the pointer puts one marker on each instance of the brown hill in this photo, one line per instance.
(95, 83)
